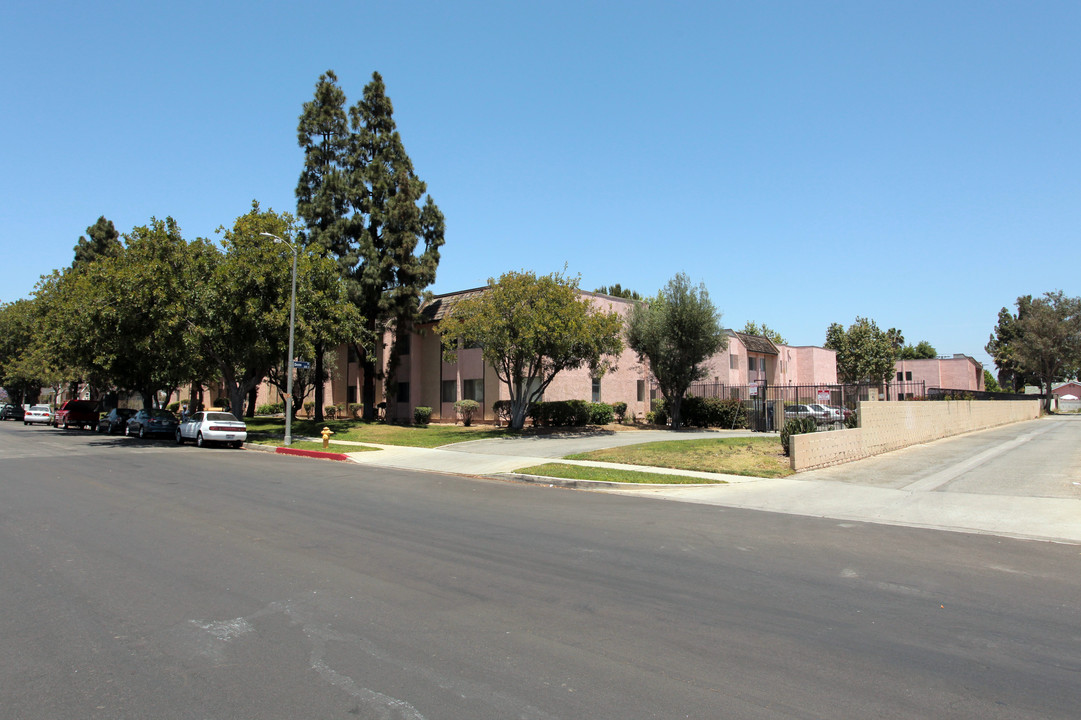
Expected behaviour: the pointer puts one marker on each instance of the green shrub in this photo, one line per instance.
(422, 415)
(620, 411)
(852, 421)
(600, 413)
(466, 410)
(796, 426)
(270, 409)
(330, 412)
(173, 407)
(501, 408)
(222, 403)
(660, 412)
(309, 409)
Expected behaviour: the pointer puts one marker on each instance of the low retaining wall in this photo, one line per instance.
(886, 426)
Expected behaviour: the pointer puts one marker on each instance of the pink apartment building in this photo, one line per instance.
(425, 379)
(959, 372)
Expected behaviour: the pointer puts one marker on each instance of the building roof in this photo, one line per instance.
(440, 307)
(756, 343)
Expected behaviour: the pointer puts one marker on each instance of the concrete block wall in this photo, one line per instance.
(886, 426)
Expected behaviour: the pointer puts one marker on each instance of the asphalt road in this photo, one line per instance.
(142, 580)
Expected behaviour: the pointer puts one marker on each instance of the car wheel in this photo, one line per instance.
(179, 437)
(238, 444)
(199, 440)
(25, 423)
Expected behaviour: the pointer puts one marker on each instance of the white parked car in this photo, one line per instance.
(38, 414)
(212, 427)
(826, 414)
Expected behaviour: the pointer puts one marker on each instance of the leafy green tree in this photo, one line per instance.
(530, 329)
(865, 353)
(765, 331)
(322, 193)
(677, 331)
(124, 318)
(618, 290)
(1006, 334)
(989, 382)
(104, 241)
(922, 350)
(1048, 344)
(387, 226)
(239, 312)
(20, 374)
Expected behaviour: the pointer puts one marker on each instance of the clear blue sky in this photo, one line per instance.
(917, 163)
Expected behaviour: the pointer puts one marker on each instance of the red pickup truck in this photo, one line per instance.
(80, 413)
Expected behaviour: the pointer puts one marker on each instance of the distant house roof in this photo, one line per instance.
(442, 306)
(756, 343)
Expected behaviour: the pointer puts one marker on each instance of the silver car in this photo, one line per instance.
(212, 427)
(38, 414)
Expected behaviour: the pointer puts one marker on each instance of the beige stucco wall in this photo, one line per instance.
(886, 426)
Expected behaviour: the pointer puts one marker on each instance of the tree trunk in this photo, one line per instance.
(319, 381)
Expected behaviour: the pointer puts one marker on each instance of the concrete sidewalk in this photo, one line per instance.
(1039, 518)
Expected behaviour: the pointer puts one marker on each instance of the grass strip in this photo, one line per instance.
(748, 456)
(424, 436)
(586, 472)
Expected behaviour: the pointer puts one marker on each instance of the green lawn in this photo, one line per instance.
(753, 456)
(307, 445)
(584, 472)
(426, 436)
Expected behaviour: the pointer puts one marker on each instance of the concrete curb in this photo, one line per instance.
(317, 454)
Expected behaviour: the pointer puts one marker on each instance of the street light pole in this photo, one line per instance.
(289, 359)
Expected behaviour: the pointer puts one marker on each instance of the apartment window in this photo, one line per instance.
(596, 389)
(908, 375)
(404, 342)
(900, 377)
(403, 392)
(733, 362)
(449, 391)
(641, 391)
(473, 390)
(351, 394)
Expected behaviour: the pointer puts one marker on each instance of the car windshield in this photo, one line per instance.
(161, 415)
(222, 417)
(40, 408)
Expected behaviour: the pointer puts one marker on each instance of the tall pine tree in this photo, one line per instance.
(323, 134)
(104, 241)
(386, 227)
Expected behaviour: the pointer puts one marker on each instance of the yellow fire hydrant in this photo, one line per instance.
(327, 432)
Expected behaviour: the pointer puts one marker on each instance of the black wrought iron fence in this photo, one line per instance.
(769, 406)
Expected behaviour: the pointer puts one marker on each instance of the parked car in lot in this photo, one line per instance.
(114, 421)
(77, 413)
(822, 415)
(12, 412)
(212, 427)
(151, 422)
(826, 413)
(38, 414)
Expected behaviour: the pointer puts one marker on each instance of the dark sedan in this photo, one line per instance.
(12, 412)
(151, 422)
(114, 421)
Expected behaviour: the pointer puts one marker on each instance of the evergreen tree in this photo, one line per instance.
(323, 134)
(387, 225)
(104, 241)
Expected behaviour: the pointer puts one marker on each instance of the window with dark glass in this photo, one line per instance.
(449, 391)
(473, 390)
